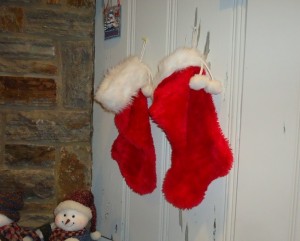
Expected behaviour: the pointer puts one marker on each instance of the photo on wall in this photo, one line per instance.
(112, 20)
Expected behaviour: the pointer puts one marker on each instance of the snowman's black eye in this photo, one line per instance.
(73, 216)
(65, 215)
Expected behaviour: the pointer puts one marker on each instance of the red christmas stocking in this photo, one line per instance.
(123, 91)
(183, 108)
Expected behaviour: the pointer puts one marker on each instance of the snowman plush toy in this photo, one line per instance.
(10, 204)
(73, 216)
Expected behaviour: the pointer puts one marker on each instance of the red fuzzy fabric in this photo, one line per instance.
(134, 149)
(200, 152)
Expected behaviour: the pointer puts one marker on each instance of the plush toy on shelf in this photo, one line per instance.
(72, 218)
(10, 204)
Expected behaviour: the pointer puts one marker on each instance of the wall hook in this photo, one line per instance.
(195, 41)
(196, 31)
(206, 47)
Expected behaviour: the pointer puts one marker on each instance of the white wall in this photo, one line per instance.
(269, 160)
(254, 52)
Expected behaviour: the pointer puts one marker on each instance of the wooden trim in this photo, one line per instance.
(294, 212)
(234, 92)
(131, 32)
(170, 46)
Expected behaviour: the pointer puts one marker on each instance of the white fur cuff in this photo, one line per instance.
(122, 83)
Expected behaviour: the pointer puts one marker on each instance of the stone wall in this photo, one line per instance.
(46, 81)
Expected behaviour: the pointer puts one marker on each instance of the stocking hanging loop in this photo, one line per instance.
(145, 40)
(203, 80)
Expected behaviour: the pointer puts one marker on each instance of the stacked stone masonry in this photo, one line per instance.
(46, 100)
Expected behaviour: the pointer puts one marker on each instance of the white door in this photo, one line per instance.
(254, 51)
(268, 183)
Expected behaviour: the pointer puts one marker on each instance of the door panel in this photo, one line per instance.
(270, 125)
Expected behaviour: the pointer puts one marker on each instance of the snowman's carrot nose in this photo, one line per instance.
(68, 220)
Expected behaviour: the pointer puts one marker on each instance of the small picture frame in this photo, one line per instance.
(112, 20)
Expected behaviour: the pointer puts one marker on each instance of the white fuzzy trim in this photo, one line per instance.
(70, 204)
(198, 82)
(95, 235)
(122, 83)
(181, 58)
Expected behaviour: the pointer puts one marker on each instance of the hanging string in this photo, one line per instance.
(150, 79)
(207, 68)
(195, 41)
(143, 48)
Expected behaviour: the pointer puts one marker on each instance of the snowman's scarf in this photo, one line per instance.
(13, 232)
(59, 234)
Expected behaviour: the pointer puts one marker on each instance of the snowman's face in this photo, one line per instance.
(71, 220)
(4, 220)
